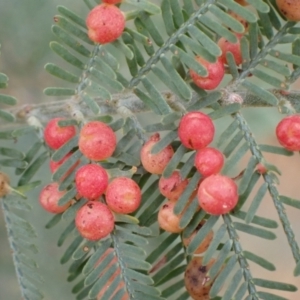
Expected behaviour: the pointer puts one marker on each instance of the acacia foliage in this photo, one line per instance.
(96, 87)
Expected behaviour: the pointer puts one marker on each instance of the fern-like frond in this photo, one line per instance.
(193, 28)
(121, 256)
(6, 100)
(21, 236)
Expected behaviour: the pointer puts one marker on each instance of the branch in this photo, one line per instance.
(63, 108)
(241, 258)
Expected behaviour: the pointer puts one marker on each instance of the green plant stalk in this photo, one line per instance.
(241, 259)
(254, 148)
(264, 52)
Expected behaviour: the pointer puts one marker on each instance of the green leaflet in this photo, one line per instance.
(265, 222)
(297, 270)
(165, 270)
(227, 20)
(32, 169)
(150, 26)
(13, 153)
(218, 28)
(70, 41)
(261, 93)
(72, 29)
(262, 233)
(53, 221)
(71, 249)
(3, 78)
(221, 278)
(8, 100)
(167, 241)
(241, 11)
(275, 285)
(61, 73)
(67, 55)
(201, 234)
(100, 283)
(7, 116)
(60, 153)
(217, 266)
(189, 60)
(232, 286)
(55, 91)
(259, 5)
(255, 203)
(266, 24)
(72, 16)
(183, 199)
(275, 150)
(174, 288)
(205, 40)
(145, 5)
(176, 78)
(259, 260)
(167, 17)
(269, 296)
(71, 161)
(232, 65)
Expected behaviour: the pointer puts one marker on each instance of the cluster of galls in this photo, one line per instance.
(97, 142)
(216, 70)
(290, 9)
(217, 194)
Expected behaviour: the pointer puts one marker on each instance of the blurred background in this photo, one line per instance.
(25, 33)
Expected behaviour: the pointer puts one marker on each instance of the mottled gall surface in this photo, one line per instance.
(209, 161)
(196, 130)
(204, 244)
(241, 20)
(97, 141)
(217, 194)
(155, 163)
(290, 9)
(4, 184)
(111, 1)
(105, 23)
(173, 186)
(261, 169)
(215, 74)
(113, 261)
(167, 220)
(234, 48)
(196, 279)
(94, 221)
(123, 195)
(242, 2)
(54, 165)
(56, 136)
(91, 181)
(288, 132)
(49, 197)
